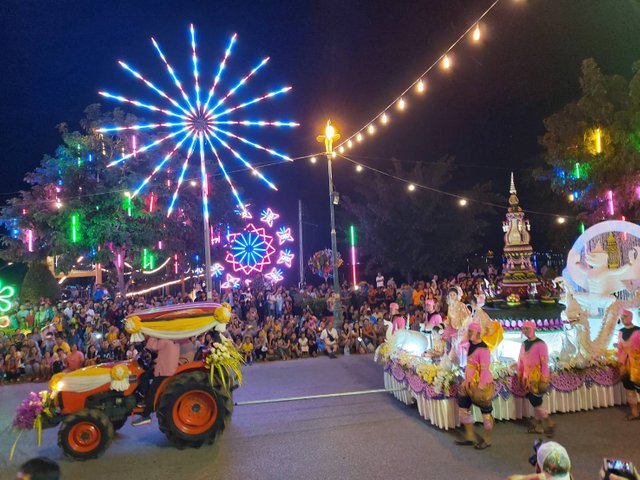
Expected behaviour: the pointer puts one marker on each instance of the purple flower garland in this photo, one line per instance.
(563, 381)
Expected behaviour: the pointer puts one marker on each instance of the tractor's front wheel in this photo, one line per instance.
(190, 412)
(85, 435)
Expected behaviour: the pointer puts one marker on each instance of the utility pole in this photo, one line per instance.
(329, 136)
(300, 249)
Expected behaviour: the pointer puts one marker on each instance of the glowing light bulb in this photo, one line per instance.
(313, 159)
(333, 154)
(411, 187)
(571, 197)
(561, 220)
(359, 137)
(476, 33)
(329, 131)
(349, 144)
(463, 202)
(401, 104)
(446, 62)
(254, 172)
(384, 119)
(420, 87)
(358, 168)
(341, 149)
(371, 129)
(193, 183)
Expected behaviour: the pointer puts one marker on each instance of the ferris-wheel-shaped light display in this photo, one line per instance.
(250, 251)
(202, 124)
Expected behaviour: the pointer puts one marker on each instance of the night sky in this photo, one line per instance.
(345, 59)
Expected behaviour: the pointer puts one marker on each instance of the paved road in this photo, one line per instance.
(372, 436)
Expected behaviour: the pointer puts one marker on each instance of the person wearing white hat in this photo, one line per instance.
(552, 463)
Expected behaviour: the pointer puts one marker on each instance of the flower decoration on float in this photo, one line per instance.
(120, 377)
(224, 362)
(30, 415)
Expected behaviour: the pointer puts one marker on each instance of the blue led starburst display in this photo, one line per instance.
(203, 123)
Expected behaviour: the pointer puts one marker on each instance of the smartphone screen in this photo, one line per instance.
(615, 465)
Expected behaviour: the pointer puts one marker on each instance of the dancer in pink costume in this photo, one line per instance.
(398, 321)
(629, 361)
(477, 389)
(533, 372)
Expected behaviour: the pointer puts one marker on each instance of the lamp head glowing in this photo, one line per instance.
(329, 130)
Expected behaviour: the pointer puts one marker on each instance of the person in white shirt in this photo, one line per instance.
(380, 280)
(329, 336)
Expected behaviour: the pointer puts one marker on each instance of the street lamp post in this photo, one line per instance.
(329, 136)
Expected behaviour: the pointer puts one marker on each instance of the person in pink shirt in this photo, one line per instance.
(432, 317)
(397, 320)
(476, 389)
(75, 359)
(629, 361)
(533, 372)
(165, 365)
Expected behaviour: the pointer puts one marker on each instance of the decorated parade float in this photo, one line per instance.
(192, 406)
(600, 280)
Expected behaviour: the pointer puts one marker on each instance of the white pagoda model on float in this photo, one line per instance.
(518, 274)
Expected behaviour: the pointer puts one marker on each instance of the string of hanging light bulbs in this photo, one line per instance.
(419, 86)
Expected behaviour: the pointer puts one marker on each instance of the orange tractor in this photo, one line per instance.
(192, 406)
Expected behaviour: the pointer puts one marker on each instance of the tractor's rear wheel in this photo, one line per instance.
(85, 435)
(191, 412)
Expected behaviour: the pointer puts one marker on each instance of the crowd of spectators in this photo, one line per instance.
(267, 323)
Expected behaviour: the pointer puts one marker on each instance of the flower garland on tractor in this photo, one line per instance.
(226, 361)
(29, 415)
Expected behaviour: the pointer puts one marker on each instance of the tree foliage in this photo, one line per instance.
(592, 145)
(420, 232)
(77, 181)
(39, 282)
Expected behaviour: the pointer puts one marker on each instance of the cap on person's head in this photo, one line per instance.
(553, 459)
(429, 302)
(40, 468)
(529, 323)
(626, 314)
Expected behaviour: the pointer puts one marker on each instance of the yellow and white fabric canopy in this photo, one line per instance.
(177, 322)
(90, 378)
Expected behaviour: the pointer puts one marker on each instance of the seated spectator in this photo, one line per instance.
(75, 359)
(32, 364)
(303, 344)
(58, 362)
(91, 356)
(329, 336)
(247, 350)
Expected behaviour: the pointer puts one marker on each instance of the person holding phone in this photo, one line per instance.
(629, 361)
